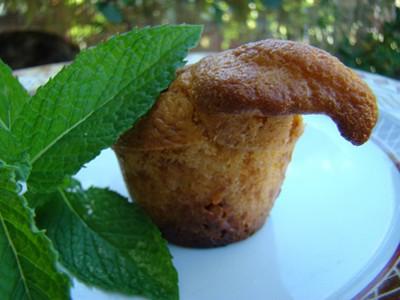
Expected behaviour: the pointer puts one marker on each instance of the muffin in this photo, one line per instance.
(208, 161)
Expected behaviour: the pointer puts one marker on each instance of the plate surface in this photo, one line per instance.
(332, 234)
(337, 213)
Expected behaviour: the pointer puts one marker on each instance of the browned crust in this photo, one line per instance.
(213, 226)
(208, 160)
(275, 77)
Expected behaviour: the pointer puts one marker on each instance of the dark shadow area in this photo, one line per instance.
(22, 49)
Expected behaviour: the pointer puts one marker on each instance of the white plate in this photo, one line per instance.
(336, 216)
(334, 230)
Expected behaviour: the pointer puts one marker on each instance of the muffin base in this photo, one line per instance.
(208, 194)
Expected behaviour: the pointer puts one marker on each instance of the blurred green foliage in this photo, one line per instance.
(364, 34)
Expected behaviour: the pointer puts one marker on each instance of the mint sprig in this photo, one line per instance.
(112, 243)
(94, 100)
(28, 264)
(46, 138)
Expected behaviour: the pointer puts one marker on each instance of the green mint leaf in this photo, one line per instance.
(27, 260)
(12, 97)
(14, 162)
(36, 200)
(12, 156)
(107, 242)
(99, 96)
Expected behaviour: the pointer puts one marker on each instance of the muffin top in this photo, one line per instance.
(239, 90)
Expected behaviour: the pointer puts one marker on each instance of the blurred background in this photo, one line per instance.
(364, 34)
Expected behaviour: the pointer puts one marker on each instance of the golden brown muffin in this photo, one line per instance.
(209, 159)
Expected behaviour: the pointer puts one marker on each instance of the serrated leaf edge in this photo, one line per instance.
(82, 221)
(15, 254)
(13, 78)
(176, 65)
(35, 231)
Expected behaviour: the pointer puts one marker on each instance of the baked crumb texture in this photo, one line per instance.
(208, 161)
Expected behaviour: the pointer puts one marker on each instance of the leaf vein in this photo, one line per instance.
(15, 254)
(51, 144)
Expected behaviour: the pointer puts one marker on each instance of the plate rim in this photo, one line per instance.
(387, 119)
(370, 290)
